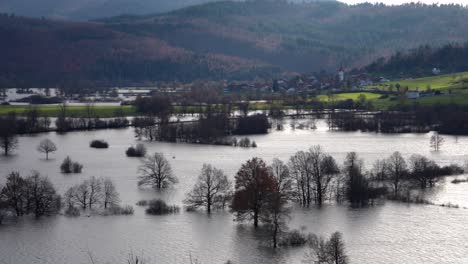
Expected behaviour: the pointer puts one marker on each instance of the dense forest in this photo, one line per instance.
(219, 40)
(420, 61)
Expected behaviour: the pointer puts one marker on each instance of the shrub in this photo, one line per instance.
(244, 143)
(121, 210)
(72, 211)
(254, 145)
(77, 167)
(68, 166)
(159, 207)
(138, 151)
(99, 144)
(142, 203)
(294, 238)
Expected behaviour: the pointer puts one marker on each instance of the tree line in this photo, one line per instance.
(446, 119)
(263, 193)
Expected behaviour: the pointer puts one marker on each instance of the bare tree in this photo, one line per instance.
(379, 170)
(300, 169)
(44, 198)
(336, 249)
(156, 171)
(436, 141)
(276, 212)
(3, 209)
(330, 251)
(423, 171)
(324, 168)
(8, 139)
(81, 194)
(47, 146)
(210, 189)
(95, 191)
(396, 171)
(110, 194)
(14, 193)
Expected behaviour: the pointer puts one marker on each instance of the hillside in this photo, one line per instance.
(90, 9)
(70, 54)
(421, 61)
(233, 40)
(304, 37)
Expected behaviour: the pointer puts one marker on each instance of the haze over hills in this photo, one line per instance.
(234, 40)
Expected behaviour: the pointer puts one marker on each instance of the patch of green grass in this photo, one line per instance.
(76, 111)
(441, 82)
(347, 96)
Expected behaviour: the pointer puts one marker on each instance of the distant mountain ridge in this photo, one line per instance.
(91, 9)
(95, 9)
(219, 40)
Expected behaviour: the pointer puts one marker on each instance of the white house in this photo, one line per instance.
(412, 94)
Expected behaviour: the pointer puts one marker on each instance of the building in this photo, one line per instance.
(413, 94)
(341, 74)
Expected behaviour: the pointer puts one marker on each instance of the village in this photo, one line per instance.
(293, 85)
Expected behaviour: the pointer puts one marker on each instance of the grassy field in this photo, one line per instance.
(441, 82)
(52, 111)
(347, 96)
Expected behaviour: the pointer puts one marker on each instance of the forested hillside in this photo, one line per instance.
(90, 9)
(232, 40)
(420, 61)
(50, 53)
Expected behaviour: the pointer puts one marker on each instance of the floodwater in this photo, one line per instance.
(385, 233)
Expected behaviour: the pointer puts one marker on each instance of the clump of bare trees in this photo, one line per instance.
(313, 171)
(212, 189)
(31, 195)
(70, 166)
(93, 193)
(155, 170)
(398, 173)
(46, 146)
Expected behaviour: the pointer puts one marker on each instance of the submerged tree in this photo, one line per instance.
(396, 171)
(69, 166)
(156, 171)
(110, 195)
(8, 139)
(46, 146)
(331, 251)
(34, 194)
(43, 197)
(357, 186)
(324, 168)
(276, 212)
(211, 189)
(423, 171)
(14, 193)
(436, 141)
(253, 184)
